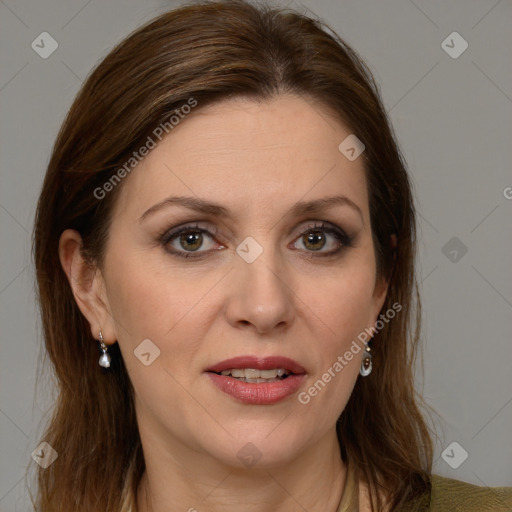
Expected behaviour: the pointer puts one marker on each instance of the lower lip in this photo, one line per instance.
(263, 393)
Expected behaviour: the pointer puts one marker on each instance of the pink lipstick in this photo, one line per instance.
(257, 380)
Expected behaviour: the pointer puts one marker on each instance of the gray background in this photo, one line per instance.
(453, 120)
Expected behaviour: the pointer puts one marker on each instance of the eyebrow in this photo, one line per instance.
(300, 207)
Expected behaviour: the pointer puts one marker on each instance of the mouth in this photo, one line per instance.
(255, 376)
(257, 367)
(257, 380)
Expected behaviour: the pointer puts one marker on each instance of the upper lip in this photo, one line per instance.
(258, 363)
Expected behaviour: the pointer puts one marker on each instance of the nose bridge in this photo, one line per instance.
(263, 297)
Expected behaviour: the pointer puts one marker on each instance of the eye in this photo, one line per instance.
(317, 237)
(190, 239)
(187, 239)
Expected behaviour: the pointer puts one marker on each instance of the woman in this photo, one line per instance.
(225, 246)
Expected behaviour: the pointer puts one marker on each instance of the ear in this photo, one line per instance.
(88, 286)
(379, 297)
(382, 285)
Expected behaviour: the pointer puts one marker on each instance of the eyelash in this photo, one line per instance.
(345, 240)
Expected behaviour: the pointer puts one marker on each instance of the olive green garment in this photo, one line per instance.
(450, 495)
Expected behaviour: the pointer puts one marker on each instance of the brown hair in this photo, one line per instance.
(212, 51)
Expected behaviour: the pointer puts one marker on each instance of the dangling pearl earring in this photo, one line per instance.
(366, 365)
(105, 358)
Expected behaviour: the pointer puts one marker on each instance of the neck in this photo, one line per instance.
(314, 482)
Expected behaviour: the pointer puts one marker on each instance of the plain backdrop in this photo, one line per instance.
(452, 113)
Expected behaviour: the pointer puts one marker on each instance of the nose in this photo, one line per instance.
(260, 296)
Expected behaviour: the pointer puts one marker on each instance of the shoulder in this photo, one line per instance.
(456, 496)
(449, 495)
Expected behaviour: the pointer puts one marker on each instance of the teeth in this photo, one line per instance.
(257, 381)
(253, 375)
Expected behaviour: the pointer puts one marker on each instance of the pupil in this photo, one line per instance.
(313, 239)
(185, 239)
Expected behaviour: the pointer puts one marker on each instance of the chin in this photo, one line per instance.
(250, 450)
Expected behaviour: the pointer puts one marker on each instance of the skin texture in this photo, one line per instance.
(257, 160)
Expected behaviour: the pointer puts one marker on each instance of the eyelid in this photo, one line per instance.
(212, 231)
(340, 234)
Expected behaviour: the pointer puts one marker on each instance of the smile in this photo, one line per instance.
(257, 380)
(255, 376)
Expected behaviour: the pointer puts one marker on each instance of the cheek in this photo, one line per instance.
(147, 305)
(343, 301)
(340, 353)
(344, 309)
(169, 307)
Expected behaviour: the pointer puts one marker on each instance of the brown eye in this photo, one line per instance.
(318, 237)
(315, 240)
(190, 241)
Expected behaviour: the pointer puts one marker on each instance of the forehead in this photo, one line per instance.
(249, 154)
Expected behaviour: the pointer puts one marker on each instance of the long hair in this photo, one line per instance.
(211, 51)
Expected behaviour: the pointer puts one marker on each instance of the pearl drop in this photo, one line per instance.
(366, 367)
(105, 360)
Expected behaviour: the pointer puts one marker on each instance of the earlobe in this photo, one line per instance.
(87, 286)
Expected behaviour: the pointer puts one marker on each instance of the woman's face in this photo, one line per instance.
(254, 277)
